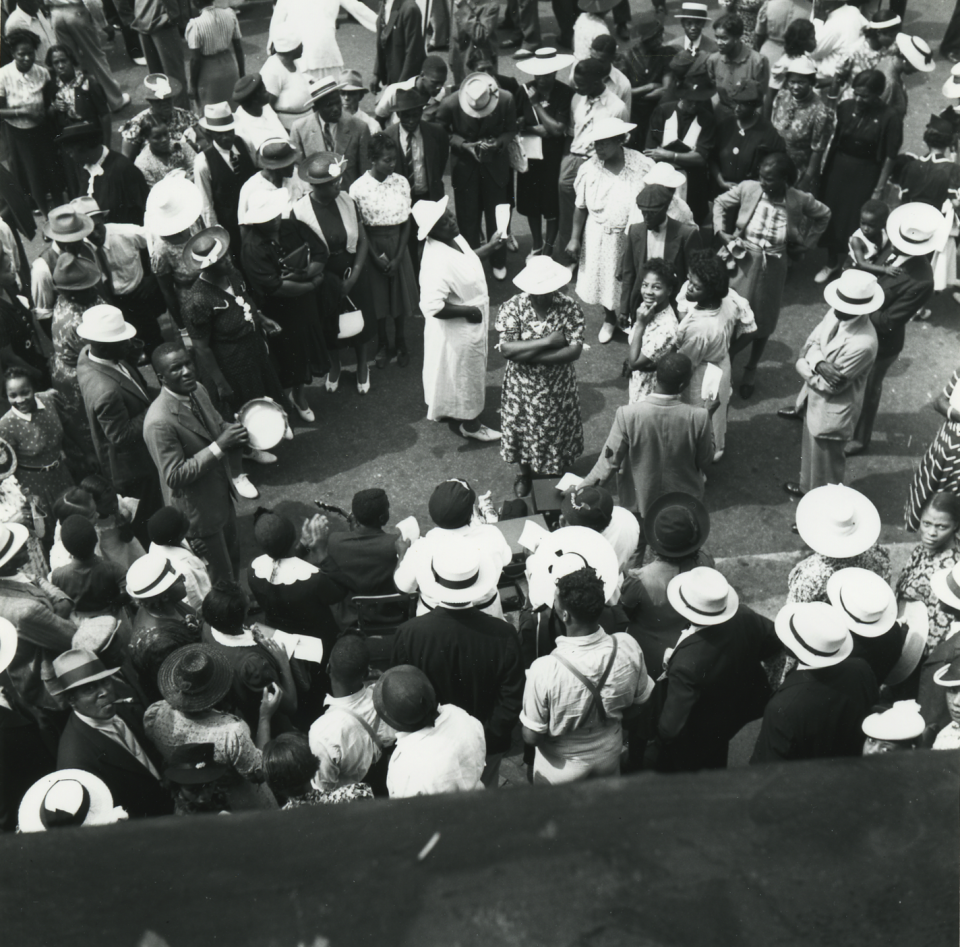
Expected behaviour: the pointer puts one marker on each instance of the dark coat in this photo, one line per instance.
(714, 685)
(464, 169)
(116, 409)
(903, 296)
(473, 661)
(436, 150)
(132, 785)
(881, 652)
(362, 561)
(122, 188)
(400, 47)
(681, 240)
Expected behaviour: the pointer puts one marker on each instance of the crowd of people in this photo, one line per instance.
(252, 231)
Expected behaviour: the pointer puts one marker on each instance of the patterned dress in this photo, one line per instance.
(806, 127)
(939, 468)
(540, 403)
(659, 338)
(748, 11)
(180, 121)
(67, 314)
(315, 797)
(807, 581)
(157, 167)
(914, 585)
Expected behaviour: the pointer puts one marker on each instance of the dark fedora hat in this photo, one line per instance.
(83, 131)
(408, 99)
(194, 677)
(193, 763)
(75, 272)
(676, 525)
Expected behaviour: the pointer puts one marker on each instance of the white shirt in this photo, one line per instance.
(39, 25)
(623, 533)
(204, 181)
(447, 757)
(315, 22)
(293, 187)
(256, 129)
(584, 112)
(192, 569)
(345, 749)
(121, 247)
(620, 86)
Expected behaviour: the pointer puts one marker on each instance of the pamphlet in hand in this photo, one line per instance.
(532, 535)
(710, 388)
(569, 480)
(409, 529)
(502, 214)
(303, 647)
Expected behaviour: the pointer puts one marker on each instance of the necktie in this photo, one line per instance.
(235, 160)
(327, 137)
(105, 272)
(199, 415)
(126, 735)
(832, 333)
(408, 156)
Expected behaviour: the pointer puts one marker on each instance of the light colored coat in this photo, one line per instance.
(351, 140)
(807, 218)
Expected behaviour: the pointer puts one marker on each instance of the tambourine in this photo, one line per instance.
(265, 422)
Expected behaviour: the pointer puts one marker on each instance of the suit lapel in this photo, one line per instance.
(185, 417)
(126, 383)
(671, 239)
(111, 751)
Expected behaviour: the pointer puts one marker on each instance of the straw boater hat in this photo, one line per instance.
(917, 228)
(946, 586)
(194, 678)
(151, 575)
(951, 88)
(265, 206)
(478, 95)
(8, 643)
(427, 213)
(693, 11)
(608, 126)
(405, 699)
(666, 175)
(160, 87)
(75, 668)
(814, 632)
(206, 248)
(322, 167)
(899, 723)
(12, 538)
(913, 616)
(459, 576)
(866, 602)
(321, 88)
(84, 204)
(854, 293)
(173, 204)
(68, 797)
(217, 117)
(916, 51)
(8, 460)
(703, 596)
(837, 521)
(105, 323)
(67, 224)
(676, 525)
(542, 275)
(545, 61)
(566, 550)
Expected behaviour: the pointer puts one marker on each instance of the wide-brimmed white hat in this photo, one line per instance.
(427, 213)
(917, 228)
(865, 600)
(703, 596)
(542, 275)
(12, 538)
(151, 575)
(608, 126)
(105, 323)
(837, 521)
(916, 51)
(173, 204)
(217, 117)
(914, 617)
(8, 643)
(693, 11)
(801, 66)
(479, 94)
(286, 39)
(900, 722)
(460, 576)
(946, 586)
(265, 206)
(856, 292)
(95, 633)
(545, 61)
(65, 798)
(951, 88)
(815, 633)
(566, 550)
(666, 175)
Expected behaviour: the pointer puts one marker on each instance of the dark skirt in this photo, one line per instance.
(537, 193)
(332, 303)
(291, 348)
(248, 370)
(35, 162)
(391, 296)
(847, 184)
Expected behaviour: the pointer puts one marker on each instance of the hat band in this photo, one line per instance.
(853, 300)
(58, 818)
(856, 618)
(455, 583)
(917, 240)
(700, 611)
(78, 674)
(6, 546)
(805, 646)
(216, 122)
(167, 570)
(927, 54)
(952, 584)
(210, 258)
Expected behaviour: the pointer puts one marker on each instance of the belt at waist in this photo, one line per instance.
(42, 469)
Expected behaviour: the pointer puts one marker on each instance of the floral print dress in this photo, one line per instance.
(540, 403)
(659, 338)
(914, 586)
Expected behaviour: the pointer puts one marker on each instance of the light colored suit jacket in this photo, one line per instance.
(807, 218)
(351, 140)
(832, 413)
(192, 477)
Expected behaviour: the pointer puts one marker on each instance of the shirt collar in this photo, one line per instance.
(581, 641)
(225, 152)
(183, 399)
(97, 724)
(102, 361)
(99, 162)
(28, 417)
(348, 701)
(663, 399)
(244, 640)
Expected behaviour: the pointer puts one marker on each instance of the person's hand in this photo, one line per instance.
(573, 249)
(389, 267)
(346, 286)
(556, 339)
(829, 373)
(375, 85)
(723, 184)
(470, 147)
(402, 545)
(224, 390)
(626, 371)
(233, 435)
(659, 154)
(315, 532)
(270, 326)
(270, 701)
(474, 315)
(199, 547)
(724, 236)
(277, 650)
(878, 193)
(893, 271)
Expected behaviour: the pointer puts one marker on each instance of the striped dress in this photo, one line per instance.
(210, 36)
(939, 468)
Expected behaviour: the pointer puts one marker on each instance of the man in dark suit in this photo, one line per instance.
(191, 444)
(914, 231)
(713, 682)
(424, 148)
(658, 237)
(116, 398)
(400, 46)
(330, 129)
(106, 738)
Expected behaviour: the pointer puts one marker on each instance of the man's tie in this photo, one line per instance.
(327, 137)
(199, 415)
(408, 157)
(105, 270)
(235, 160)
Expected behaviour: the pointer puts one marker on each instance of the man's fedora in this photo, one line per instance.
(66, 224)
(105, 323)
(77, 667)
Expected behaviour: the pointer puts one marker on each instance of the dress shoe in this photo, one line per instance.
(306, 414)
(522, 485)
(717, 456)
(606, 332)
(500, 273)
(512, 244)
(380, 359)
(852, 448)
(793, 489)
(789, 414)
(747, 383)
(482, 433)
(403, 358)
(259, 456)
(623, 33)
(243, 486)
(363, 386)
(331, 386)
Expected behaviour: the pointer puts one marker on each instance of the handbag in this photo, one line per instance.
(350, 320)
(517, 156)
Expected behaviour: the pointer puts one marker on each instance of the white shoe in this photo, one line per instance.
(140, 60)
(606, 332)
(487, 513)
(306, 414)
(482, 433)
(512, 244)
(824, 274)
(364, 386)
(500, 272)
(243, 486)
(124, 102)
(259, 456)
(718, 456)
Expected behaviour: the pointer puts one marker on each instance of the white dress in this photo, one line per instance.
(315, 21)
(454, 350)
(292, 90)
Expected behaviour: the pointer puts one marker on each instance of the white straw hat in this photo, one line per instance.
(545, 61)
(815, 633)
(865, 600)
(12, 538)
(946, 586)
(67, 797)
(105, 323)
(607, 126)
(916, 51)
(265, 206)
(460, 576)
(856, 292)
(693, 11)
(917, 228)
(151, 575)
(173, 204)
(217, 117)
(837, 521)
(479, 94)
(900, 722)
(542, 275)
(951, 88)
(565, 550)
(703, 596)
(666, 175)
(427, 213)
(913, 616)
(8, 643)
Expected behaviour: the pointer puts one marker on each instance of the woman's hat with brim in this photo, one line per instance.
(192, 764)
(542, 275)
(901, 722)
(665, 174)
(916, 51)
(8, 460)
(12, 538)
(837, 521)
(854, 293)
(427, 213)
(75, 668)
(478, 95)
(68, 797)
(151, 575)
(545, 62)
(405, 699)
(801, 66)
(174, 204)
(8, 643)
(351, 80)
(676, 525)
(866, 602)
(160, 87)
(217, 117)
(946, 586)
(814, 632)
(596, 6)
(918, 228)
(951, 88)
(194, 678)
(75, 272)
(246, 86)
(459, 577)
(588, 506)
(276, 153)
(67, 225)
(205, 248)
(949, 674)
(703, 596)
(566, 550)
(693, 11)
(913, 616)
(286, 39)
(322, 167)
(105, 323)
(608, 126)
(265, 206)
